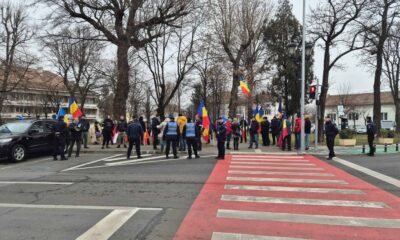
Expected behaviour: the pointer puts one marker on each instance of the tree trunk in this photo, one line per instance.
(397, 105)
(233, 102)
(122, 90)
(377, 88)
(324, 93)
(160, 109)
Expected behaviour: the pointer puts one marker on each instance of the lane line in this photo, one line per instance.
(95, 161)
(293, 189)
(238, 236)
(271, 163)
(124, 158)
(107, 226)
(154, 161)
(303, 201)
(37, 183)
(289, 180)
(17, 205)
(133, 161)
(269, 160)
(281, 168)
(369, 172)
(310, 219)
(281, 173)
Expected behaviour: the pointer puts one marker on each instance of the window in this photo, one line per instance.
(353, 116)
(38, 126)
(384, 116)
(332, 116)
(48, 126)
(268, 112)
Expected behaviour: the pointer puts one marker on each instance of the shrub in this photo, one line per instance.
(387, 133)
(347, 133)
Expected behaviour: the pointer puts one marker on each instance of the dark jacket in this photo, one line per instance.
(76, 131)
(265, 127)
(108, 125)
(254, 127)
(371, 129)
(236, 130)
(275, 125)
(122, 126)
(85, 125)
(243, 124)
(221, 132)
(307, 126)
(154, 123)
(142, 123)
(134, 130)
(331, 130)
(59, 130)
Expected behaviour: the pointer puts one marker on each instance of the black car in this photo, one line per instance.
(20, 138)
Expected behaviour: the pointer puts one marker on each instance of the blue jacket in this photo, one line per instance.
(171, 134)
(134, 130)
(189, 132)
(221, 132)
(371, 129)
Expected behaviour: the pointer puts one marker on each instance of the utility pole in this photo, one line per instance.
(303, 80)
(316, 113)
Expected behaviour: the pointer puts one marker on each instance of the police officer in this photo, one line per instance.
(190, 133)
(135, 136)
(371, 132)
(171, 134)
(76, 137)
(330, 132)
(59, 132)
(221, 138)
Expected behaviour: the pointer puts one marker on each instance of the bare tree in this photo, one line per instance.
(235, 25)
(15, 61)
(125, 24)
(333, 24)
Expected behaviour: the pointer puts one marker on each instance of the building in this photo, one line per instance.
(40, 94)
(357, 107)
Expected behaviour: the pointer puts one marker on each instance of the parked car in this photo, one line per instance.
(20, 138)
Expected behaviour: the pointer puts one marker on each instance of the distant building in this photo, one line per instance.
(356, 107)
(40, 95)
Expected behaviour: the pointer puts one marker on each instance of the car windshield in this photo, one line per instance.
(15, 127)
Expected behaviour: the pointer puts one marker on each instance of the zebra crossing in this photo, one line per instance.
(288, 197)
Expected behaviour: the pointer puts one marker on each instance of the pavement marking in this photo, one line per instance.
(267, 157)
(289, 180)
(293, 189)
(95, 161)
(303, 201)
(272, 163)
(310, 219)
(154, 161)
(124, 158)
(269, 160)
(281, 173)
(281, 168)
(369, 172)
(133, 161)
(106, 227)
(37, 183)
(86, 207)
(257, 150)
(238, 236)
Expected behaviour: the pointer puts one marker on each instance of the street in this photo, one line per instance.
(250, 195)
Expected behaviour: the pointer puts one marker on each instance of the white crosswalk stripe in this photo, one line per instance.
(269, 160)
(281, 173)
(289, 180)
(272, 163)
(281, 168)
(238, 236)
(293, 189)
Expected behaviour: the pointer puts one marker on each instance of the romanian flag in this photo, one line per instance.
(259, 114)
(74, 108)
(245, 88)
(61, 113)
(202, 112)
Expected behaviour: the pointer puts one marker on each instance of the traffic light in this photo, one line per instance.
(312, 91)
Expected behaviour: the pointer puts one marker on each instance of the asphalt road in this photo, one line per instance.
(62, 202)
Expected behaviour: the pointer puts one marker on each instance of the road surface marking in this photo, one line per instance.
(293, 189)
(281, 173)
(281, 168)
(268, 160)
(303, 201)
(124, 158)
(106, 227)
(16, 205)
(133, 161)
(238, 236)
(310, 219)
(290, 180)
(154, 161)
(95, 161)
(271, 163)
(258, 150)
(37, 183)
(267, 157)
(369, 172)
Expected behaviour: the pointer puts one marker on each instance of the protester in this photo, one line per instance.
(199, 127)
(254, 125)
(76, 137)
(85, 130)
(287, 139)
(122, 126)
(171, 134)
(135, 134)
(59, 132)
(229, 132)
(97, 132)
(371, 132)
(143, 125)
(161, 128)
(297, 132)
(68, 135)
(275, 125)
(155, 131)
(243, 126)
(331, 131)
(191, 132)
(182, 120)
(221, 138)
(236, 134)
(265, 125)
(307, 131)
(108, 127)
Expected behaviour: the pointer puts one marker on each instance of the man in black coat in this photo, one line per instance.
(254, 125)
(108, 128)
(331, 131)
(371, 132)
(59, 131)
(135, 135)
(265, 131)
(154, 123)
(275, 125)
(122, 126)
(85, 130)
(76, 137)
(221, 138)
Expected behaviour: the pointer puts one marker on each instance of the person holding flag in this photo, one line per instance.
(286, 134)
(203, 114)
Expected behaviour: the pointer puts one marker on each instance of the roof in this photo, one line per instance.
(358, 99)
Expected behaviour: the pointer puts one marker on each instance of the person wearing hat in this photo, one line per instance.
(171, 134)
(221, 138)
(59, 131)
(265, 132)
(190, 133)
(134, 131)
